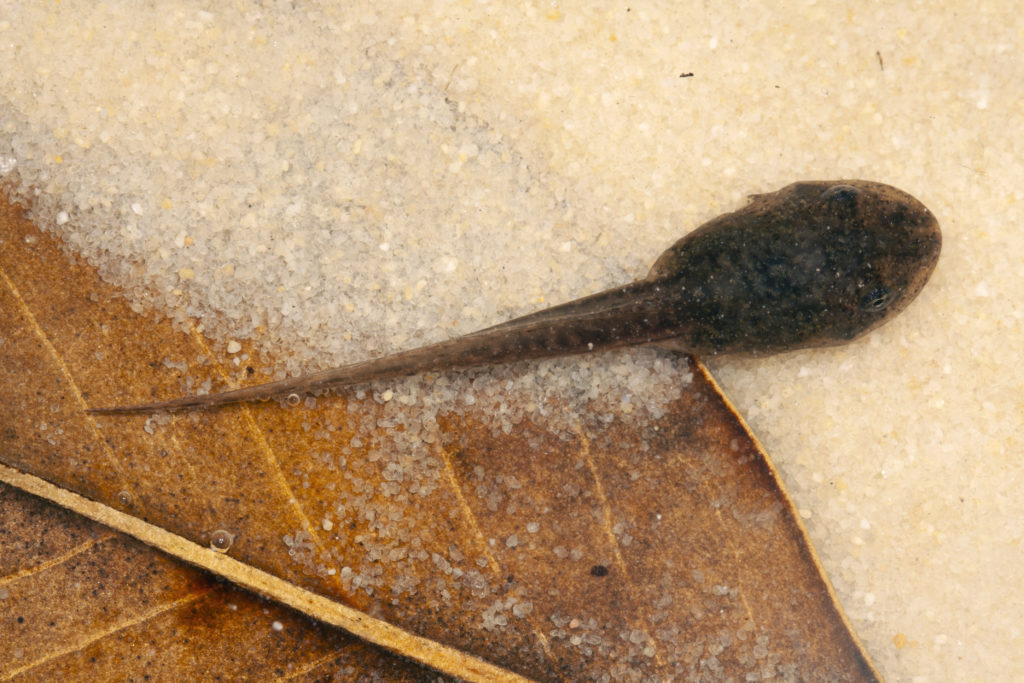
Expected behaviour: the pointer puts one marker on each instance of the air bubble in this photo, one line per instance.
(125, 499)
(293, 400)
(221, 540)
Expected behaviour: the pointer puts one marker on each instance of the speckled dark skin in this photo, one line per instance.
(816, 263)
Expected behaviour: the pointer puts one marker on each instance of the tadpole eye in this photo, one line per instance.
(842, 195)
(876, 300)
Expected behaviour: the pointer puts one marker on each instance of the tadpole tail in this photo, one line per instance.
(253, 393)
(380, 368)
(624, 316)
(377, 369)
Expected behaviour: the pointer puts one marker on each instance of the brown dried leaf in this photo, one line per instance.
(78, 600)
(638, 551)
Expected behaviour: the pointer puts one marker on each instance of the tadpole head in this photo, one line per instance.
(886, 246)
(816, 263)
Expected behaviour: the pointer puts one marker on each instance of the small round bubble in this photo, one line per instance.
(221, 540)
